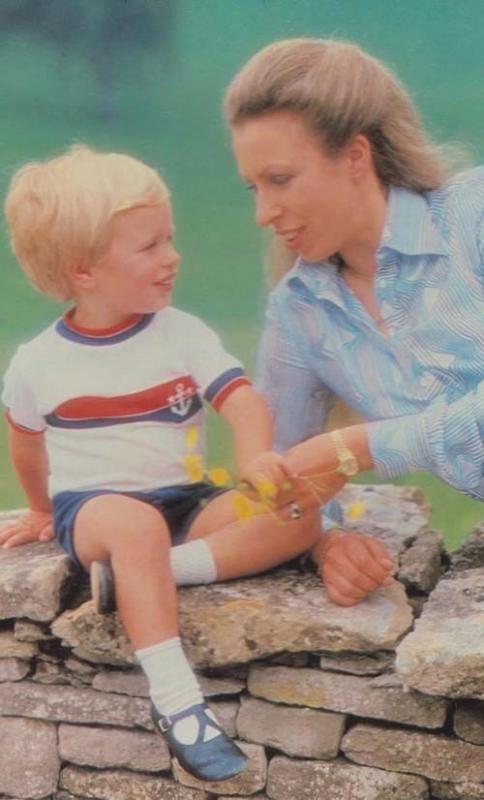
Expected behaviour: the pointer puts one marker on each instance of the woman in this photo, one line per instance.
(384, 304)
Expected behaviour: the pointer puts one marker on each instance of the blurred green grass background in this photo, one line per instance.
(166, 110)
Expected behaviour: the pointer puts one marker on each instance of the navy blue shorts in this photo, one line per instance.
(179, 505)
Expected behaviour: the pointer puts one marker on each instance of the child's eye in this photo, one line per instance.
(250, 187)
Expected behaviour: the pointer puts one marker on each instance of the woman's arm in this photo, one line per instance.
(446, 439)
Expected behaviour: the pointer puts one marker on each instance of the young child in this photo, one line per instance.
(104, 407)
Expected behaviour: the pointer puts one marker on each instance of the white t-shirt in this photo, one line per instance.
(116, 405)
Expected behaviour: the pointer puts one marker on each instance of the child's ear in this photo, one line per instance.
(82, 276)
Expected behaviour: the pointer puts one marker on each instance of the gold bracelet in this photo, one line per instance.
(347, 461)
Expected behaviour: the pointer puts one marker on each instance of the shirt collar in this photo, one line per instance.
(409, 228)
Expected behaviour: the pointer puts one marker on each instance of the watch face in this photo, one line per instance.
(348, 466)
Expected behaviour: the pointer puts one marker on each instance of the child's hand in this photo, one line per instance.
(266, 479)
(30, 527)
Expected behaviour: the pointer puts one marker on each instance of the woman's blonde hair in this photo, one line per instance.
(341, 91)
(58, 210)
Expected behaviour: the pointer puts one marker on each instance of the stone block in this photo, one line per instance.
(134, 683)
(396, 515)
(10, 647)
(13, 669)
(250, 781)
(27, 631)
(432, 756)
(348, 694)
(29, 764)
(112, 747)
(470, 554)
(444, 655)
(301, 732)
(289, 779)
(457, 791)
(33, 579)
(358, 663)
(469, 721)
(226, 712)
(124, 785)
(231, 623)
(421, 564)
(66, 704)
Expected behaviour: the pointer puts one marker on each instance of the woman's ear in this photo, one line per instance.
(359, 156)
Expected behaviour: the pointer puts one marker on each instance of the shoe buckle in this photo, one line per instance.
(164, 724)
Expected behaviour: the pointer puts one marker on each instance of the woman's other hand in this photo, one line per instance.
(352, 565)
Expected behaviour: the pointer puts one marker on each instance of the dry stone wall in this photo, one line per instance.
(381, 701)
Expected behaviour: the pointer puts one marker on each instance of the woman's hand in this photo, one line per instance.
(33, 526)
(352, 565)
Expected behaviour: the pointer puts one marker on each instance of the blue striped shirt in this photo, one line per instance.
(421, 386)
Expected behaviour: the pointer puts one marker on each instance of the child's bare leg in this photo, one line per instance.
(245, 547)
(135, 538)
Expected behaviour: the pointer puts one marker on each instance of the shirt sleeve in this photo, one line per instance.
(19, 399)
(217, 372)
(446, 439)
(299, 401)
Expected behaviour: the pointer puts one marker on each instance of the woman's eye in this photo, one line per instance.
(280, 179)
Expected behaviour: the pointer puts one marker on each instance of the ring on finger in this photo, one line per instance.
(296, 512)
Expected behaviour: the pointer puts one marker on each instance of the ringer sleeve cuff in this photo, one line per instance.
(20, 428)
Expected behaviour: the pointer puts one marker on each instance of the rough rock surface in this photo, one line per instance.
(106, 748)
(66, 704)
(347, 694)
(33, 771)
(301, 732)
(421, 563)
(232, 623)
(469, 721)
(457, 791)
(32, 579)
(430, 755)
(122, 784)
(470, 554)
(444, 655)
(315, 780)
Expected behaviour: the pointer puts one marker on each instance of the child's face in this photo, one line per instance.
(137, 271)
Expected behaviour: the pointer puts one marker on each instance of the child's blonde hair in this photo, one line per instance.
(58, 210)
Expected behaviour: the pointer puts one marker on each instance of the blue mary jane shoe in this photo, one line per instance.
(201, 746)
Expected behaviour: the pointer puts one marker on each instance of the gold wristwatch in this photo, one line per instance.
(347, 461)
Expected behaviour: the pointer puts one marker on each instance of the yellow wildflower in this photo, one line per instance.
(219, 476)
(191, 437)
(265, 489)
(356, 510)
(194, 466)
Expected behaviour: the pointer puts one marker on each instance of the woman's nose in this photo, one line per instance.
(266, 211)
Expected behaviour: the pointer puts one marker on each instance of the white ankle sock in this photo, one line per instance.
(173, 685)
(192, 563)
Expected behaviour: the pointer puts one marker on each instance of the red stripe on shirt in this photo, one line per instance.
(144, 402)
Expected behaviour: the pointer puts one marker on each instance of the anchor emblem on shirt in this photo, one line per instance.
(181, 400)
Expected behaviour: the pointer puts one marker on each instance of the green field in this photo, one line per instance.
(169, 114)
